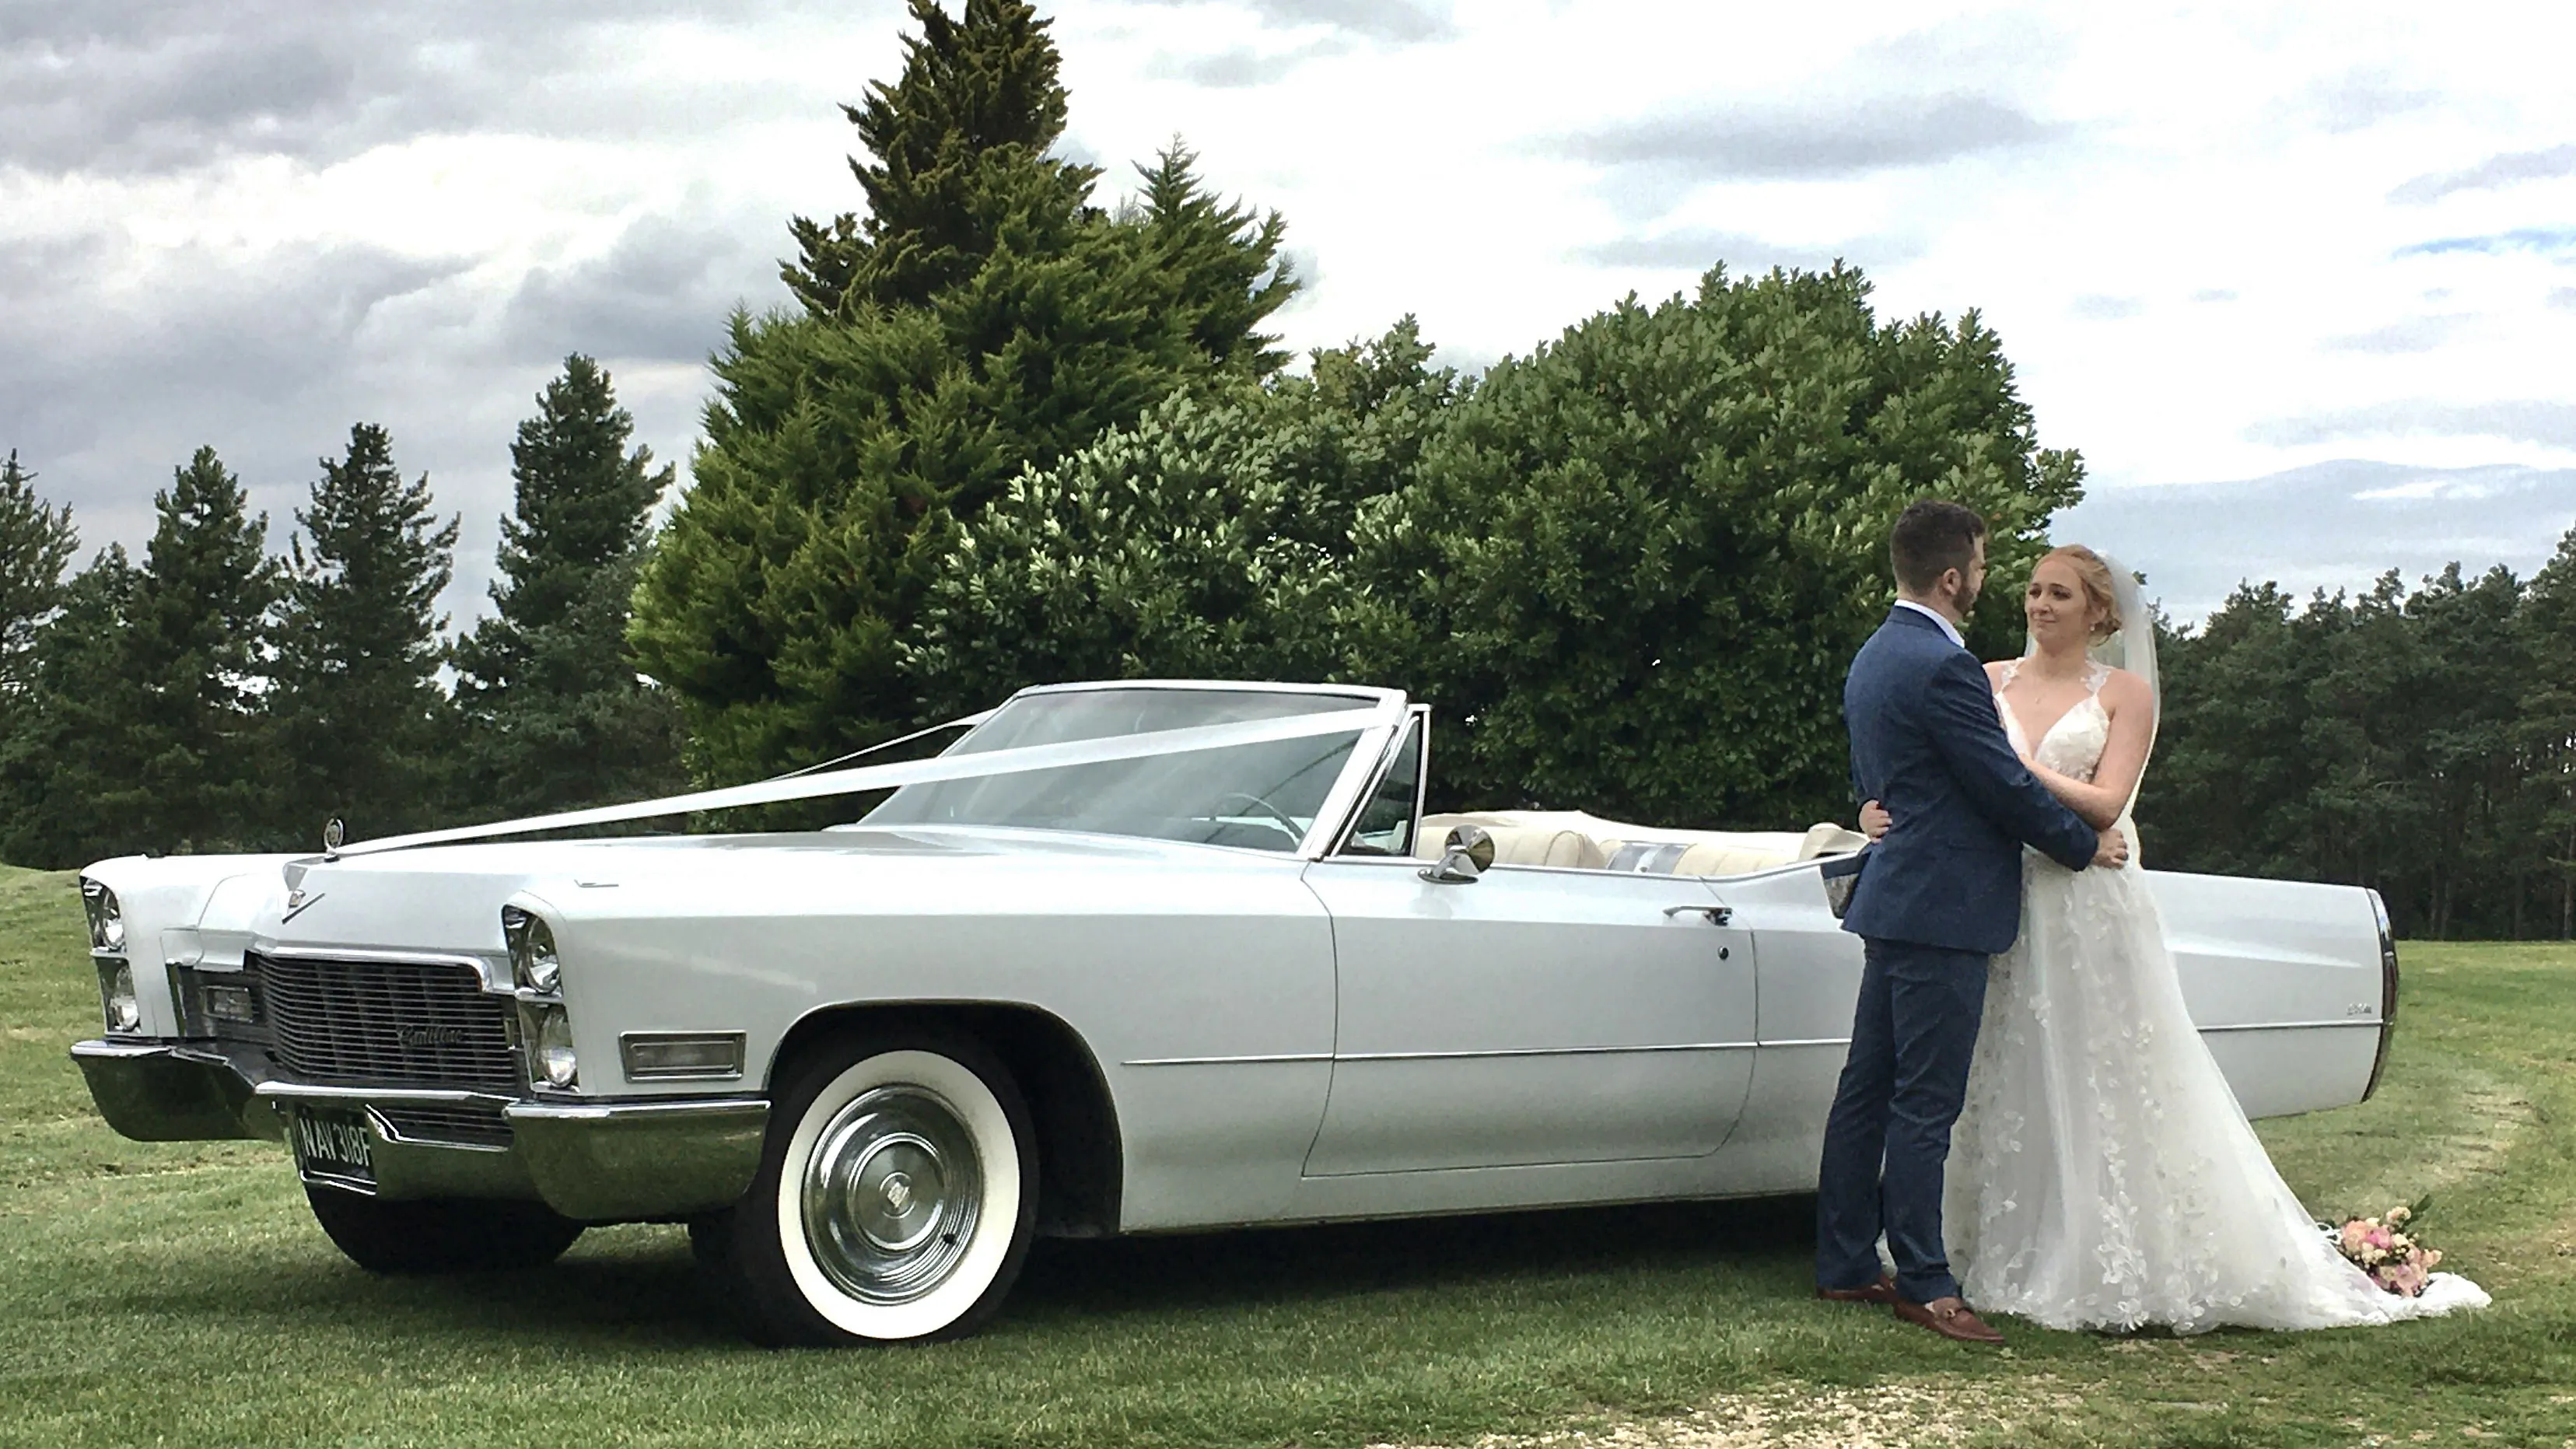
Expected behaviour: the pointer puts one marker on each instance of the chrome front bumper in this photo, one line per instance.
(593, 1161)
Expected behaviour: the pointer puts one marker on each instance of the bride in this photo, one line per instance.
(2102, 1175)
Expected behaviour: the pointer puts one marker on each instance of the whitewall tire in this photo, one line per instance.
(896, 1198)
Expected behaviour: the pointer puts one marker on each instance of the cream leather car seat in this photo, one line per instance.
(1520, 838)
(1574, 840)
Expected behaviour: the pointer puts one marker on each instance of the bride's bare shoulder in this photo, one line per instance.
(1995, 669)
(2124, 690)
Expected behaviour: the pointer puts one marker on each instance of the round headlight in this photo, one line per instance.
(554, 1049)
(544, 971)
(532, 950)
(124, 1011)
(106, 917)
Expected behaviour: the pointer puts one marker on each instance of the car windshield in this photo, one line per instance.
(1262, 796)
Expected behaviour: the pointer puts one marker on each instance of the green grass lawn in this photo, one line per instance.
(180, 1293)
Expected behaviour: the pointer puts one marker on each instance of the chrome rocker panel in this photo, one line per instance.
(590, 1161)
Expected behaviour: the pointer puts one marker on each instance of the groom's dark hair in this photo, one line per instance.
(1932, 537)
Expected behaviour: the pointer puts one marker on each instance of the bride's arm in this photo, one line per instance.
(2124, 755)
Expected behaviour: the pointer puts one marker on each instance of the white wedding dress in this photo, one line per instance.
(2102, 1175)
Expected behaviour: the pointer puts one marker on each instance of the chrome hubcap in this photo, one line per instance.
(892, 1193)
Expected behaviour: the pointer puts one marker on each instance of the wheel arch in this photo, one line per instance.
(1081, 1162)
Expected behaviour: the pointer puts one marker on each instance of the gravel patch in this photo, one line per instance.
(1882, 1416)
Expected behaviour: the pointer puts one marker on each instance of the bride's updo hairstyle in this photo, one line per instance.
(2095, 576)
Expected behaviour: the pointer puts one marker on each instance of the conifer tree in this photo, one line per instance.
(1220, 260)
(2548, 719)
(37, 542)
(984, 319)
(968, 124)
(70, 763)
(359, 718)
(140, 730)
(553, 714)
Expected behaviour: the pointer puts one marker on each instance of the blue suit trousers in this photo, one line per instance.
(1903, 1084)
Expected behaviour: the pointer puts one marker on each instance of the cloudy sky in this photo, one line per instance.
(2299, 280)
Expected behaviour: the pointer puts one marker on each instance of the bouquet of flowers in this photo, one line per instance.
(2386, 1249)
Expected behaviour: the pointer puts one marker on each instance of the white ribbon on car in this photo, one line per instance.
(911, 772)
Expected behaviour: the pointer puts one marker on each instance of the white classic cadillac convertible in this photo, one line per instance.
(1125, 958)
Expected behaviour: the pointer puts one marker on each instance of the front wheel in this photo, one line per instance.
(441, 1236)
(895, 1201)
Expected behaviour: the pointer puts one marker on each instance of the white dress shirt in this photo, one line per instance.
(1928, 612)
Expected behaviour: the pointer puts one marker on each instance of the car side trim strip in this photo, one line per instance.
(1228, 1061)
(1587, 1051)
(1594, 1051)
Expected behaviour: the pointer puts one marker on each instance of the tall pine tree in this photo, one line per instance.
(140, 725)
(37, 542)
(71, 759)
(958, 151)
(554, 717)
(983, 319)
(359, 718)
(2549, 734)
(1221, 260)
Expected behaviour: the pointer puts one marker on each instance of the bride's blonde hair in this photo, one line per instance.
(2095, 576)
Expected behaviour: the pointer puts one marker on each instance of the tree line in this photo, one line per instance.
(1006, 434)
(215, 696)
(2421, 742)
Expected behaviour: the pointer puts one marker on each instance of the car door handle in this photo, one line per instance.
(1717, 915)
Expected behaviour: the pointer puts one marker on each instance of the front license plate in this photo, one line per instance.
(333, 1146)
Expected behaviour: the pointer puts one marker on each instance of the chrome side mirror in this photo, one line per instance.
(1468, 854)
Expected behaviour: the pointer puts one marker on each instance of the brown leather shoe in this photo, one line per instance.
(1950, 1318)
(1882, 1291)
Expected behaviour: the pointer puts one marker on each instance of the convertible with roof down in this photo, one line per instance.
(1125, 958)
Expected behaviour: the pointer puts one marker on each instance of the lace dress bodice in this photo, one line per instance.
(2074, 744)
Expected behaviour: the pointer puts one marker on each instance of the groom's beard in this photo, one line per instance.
(1965, 599)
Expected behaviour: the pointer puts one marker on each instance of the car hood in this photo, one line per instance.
(447, 899)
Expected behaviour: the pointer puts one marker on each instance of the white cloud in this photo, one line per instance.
(2504, 170)
(2336, 525)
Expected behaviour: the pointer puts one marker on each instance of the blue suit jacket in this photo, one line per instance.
(1927, 744)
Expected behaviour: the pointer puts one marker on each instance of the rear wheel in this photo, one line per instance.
(441, 1236)
(896, 1197)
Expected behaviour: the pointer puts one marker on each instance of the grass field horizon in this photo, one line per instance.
(181, 1293)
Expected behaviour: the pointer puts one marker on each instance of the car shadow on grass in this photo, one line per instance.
(638, 1287)
(1761, 1237)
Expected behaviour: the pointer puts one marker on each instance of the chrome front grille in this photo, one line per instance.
(395, 1022)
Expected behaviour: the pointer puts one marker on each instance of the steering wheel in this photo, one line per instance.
(1264, 808)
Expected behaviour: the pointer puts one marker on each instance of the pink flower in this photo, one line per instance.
(2354, 1234)
(2377, 1237)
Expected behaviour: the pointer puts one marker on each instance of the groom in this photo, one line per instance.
(1936, 897)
